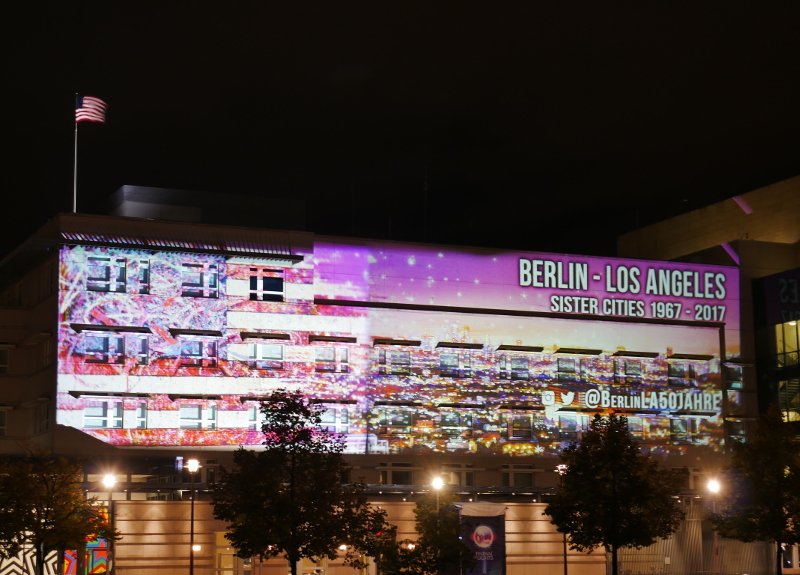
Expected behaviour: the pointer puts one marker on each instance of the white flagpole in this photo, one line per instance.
(75, 167)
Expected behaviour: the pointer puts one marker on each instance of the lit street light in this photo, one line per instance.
(437, 484)
(713, 488)
(109, 481)
(561, 469)
(193, 466)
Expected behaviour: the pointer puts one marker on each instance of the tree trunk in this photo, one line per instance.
(614, 561)
(778, 558)
(39, 558)
(293, 567)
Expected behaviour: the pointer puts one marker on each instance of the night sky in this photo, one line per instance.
(541, 126)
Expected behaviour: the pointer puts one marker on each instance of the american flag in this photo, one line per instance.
(89, 109)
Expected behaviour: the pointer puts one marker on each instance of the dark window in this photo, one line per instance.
(104, 349)
(266, 285)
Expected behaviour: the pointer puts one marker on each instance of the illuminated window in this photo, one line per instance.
(103, 348)
(683, 430)
(395, 421)
(458, 474)
(198, 416)
(456, 422)
(681, 374)
(455, 364)
(394, 362)
(3, 361)
(515, 367)
(143, 277)
(733, 376)
(636, 427)
(41, 417)
(789, 399)
(198, 353)
(106, 274)
(569, 426)
(736, 431)
(142, 351)
(199, 280)
(336, 420)
(266, 355)
(141, 416)
(389, 474)
(102, 414)
(517, 475)
(568, 369)
(266, 285)
(788, 555)
(331, 359)
(526, 425)
(3, 423)
(255, 417)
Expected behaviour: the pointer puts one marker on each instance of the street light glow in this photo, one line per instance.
(193, 465)
(109, 481)
(437, 483)
(713, 486)
(196, 547)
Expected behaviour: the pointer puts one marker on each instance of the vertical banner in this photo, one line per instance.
(484, 528)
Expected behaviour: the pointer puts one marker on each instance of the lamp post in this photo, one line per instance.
(109, 481)
(561, 469)
(437, 484)
(193, 466)
(713, 488)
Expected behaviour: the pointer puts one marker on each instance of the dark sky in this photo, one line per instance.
(542, 125)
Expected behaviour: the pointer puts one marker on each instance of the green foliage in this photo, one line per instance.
(761, 487)
(295, 497)
(439, 547)
(612, 495)
(42, 504)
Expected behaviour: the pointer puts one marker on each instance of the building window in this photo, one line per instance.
(143, 277)
(395, 421)
(41, 418)
(266, 285)
(569, 425)
(683, 430)
(200, 280)
(104, 349)
(736, 431)
(391, 475)
(336, 420)
(789, 399)
(455, 364)
(456, 423)
(526, 425)
(255, 418)
(3, 361)
(636, 427)
(517, 475)
(102, 414)
(458, 474)
(569, 369)
(142, 351)
(681, 374)
(198, 416)
(141, 416)
(394, 362)
(266, 355)
(3, 423)
(515, 367)
(733, 376)
(106, 274)
(198, 353)
(331, 359)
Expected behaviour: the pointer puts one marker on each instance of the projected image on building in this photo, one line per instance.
(407, 347)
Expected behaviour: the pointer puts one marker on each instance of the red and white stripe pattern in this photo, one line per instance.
(89, 109)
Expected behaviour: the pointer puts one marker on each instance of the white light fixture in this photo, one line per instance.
(437, 483)
(196, 547)
(192, 465)
(713, 486)
(342, 547)
(109, 481)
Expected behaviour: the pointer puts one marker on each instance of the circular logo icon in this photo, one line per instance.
(483, 536)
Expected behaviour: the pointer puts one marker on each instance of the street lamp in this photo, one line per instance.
(561, 469)
(109, 481)
(193, 466)
(437, 484)
(713, 488)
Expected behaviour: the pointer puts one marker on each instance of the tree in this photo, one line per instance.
(295, 497)
(42, 504)
(439, 548)
(612, 495)
(762, 487)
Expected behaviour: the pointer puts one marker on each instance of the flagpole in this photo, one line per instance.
(75, 167)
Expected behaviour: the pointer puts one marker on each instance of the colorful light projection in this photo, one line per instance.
(409, 348)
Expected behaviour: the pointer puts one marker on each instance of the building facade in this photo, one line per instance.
(144, 343)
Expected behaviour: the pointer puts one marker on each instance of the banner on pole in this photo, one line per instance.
(484, 529)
